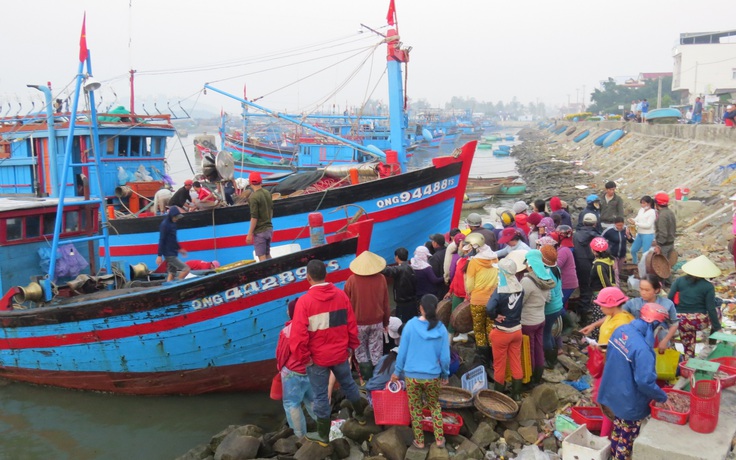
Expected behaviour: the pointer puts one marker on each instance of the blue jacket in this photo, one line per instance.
(168, 245)
(629, 381)
(423, 353)
(616, 242)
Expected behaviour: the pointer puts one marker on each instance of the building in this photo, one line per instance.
(704, 65)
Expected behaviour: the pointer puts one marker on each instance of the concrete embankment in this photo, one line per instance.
(648, 159)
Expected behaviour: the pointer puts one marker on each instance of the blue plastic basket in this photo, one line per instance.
(475, 380)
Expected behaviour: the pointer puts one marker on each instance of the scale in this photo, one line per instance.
(725, 346)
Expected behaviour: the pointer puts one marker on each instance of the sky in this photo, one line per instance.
(302, 56)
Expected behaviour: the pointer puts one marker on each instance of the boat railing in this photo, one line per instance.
(83, 118)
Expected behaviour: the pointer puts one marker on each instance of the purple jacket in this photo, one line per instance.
(566, 264)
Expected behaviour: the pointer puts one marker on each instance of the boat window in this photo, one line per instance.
(147, 144)
(49, 221)
(14, 228)
(108, 144)
(71, 221)
(123, 146)
(33, 226)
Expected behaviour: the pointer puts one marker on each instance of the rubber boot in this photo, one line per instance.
(500, 387)
(322, 435)
(516, 385)
(550, 357)
(535, 380)
(359, 411)
(366, 370)
(482, 354)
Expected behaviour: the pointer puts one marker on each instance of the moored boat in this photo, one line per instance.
(663, 116)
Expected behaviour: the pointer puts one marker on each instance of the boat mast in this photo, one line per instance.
(395, 56)
(132, 91)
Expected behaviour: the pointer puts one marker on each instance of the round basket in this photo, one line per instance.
(461, 320)
(444, 311)
(674, 256)
(661, 266)
(495, 405)
(455, 398)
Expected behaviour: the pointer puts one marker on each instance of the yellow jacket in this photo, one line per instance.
(481, 278)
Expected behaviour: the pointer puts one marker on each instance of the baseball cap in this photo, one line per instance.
(394, 324)
(255, 178)
(188, 182)
(438, 238)
(507, 235)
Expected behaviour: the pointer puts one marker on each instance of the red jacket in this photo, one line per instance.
(323, 327)
(284, 358)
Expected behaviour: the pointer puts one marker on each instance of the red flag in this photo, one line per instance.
(83, 40)
(390, 17)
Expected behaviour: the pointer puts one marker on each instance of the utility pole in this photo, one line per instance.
(582, 105)
(659, 93)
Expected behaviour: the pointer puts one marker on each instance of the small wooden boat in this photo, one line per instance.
(485, 146)
(513, 189)
(510, 138)
(599, 140)
(581, 136)
(501, 153)
(476, 202)
(663, 116)
(613, 137)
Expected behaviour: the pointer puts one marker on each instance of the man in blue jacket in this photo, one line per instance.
(169, 248)
(629, 381)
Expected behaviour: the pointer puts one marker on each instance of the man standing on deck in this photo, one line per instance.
(612, 206)
(323, 331)
(169, 248)
(261, 213)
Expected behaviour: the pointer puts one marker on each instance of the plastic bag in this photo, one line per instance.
(565, 425)
(595, 363)
(532, 453)
(336, 429)
(633, 282)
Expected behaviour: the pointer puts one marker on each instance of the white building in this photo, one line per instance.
(705, 64)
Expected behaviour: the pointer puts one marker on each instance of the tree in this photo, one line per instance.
(612, 95)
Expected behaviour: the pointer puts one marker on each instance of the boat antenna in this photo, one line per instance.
(185, 112)
(373, 30)
(144, 108)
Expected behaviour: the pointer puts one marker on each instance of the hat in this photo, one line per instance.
(507, 235)
(555, 204)
(458, 239)
(610, 184)
(590, 218)
(507, 218)
(701, 267)
(255, 178)
(521, 220)
(507, 282)
(489, 226)
(549, 255)
(367, 263)
(475, 240)
(519, 258)
(599, 244)
(547, 223)
(592, 198)
(662, 199)
(188, 182)
(547, 241)
(534, 260)
(534, 218)
(610, 297)
(474, 219)
(437, 238)
(215, 264)
(394, 324)
(519, 207)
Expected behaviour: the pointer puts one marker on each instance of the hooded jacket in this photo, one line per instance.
(536, 295)
(284, 358)
(323, 327)
(481, 278)
(590, 209)
(616, 242)
(602, 275)
(423, 353)
(630, 371)
(581, 239)
(168, 244)
(508, 304)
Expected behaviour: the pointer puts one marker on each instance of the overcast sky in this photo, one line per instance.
(534, 50)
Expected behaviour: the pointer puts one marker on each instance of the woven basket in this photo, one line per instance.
(455, 398)
(674, 256)
(444, 311)
(658, 264)
(495, 405)
(461, 320)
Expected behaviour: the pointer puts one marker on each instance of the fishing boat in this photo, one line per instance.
(476, 201)
(501, 153)
(513, 188)
(663, 116)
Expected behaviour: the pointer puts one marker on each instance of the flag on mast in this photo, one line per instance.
(391, 16)
(83, 40)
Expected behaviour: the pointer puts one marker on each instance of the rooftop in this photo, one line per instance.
(705, 38)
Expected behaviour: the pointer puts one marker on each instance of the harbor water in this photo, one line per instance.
(51, 423)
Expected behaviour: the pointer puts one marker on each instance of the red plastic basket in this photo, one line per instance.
(684, 370)
(391, 407)
(705, 402)
(728, 366)
(592, 417)
(678, 418)
(448, 428)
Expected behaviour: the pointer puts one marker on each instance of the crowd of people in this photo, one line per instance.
(517, 279)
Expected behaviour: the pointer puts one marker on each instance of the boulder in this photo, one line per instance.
(414, 453)
(217, 439)
(574, 374)
(200, 452)
(236, 446)
(286, 446)
(545, 398)
(513, 438)
(570, 363)
(471, 450)
(528, 413)
(312, 451)
(341, 447)
(356, 453)
(567, 394)
(484, 435)
(391, 444)
(438, 453)
(529, 433)
(550, 444)
(357, 432)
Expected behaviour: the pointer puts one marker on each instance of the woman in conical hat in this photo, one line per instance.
(695, 298)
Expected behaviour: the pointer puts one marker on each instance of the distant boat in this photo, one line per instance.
(664, 116)
(613, 137)
(510, 138)
(501, 153)
(476, 202)
(513, 189)
(505, 147)
(599, 140)
(485, 146)
(581, 136)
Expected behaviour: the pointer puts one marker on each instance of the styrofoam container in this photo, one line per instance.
(581, 444)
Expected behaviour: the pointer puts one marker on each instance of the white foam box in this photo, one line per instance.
(581, 444)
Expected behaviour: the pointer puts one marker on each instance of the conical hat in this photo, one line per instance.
(367, 264)
(701, 267)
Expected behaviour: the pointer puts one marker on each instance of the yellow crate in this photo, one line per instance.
(526, 361)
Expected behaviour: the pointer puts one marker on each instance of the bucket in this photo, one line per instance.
(678, 194)
(705, 402)
(685, 193)
(392, 157)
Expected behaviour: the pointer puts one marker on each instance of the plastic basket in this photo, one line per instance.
(728, 366)
(391, 406)
(666, 364)
(526, 362)
(452, 429)
(475, 380)
(678, 418)
(684, 370)
(592, 417)
(705, 402)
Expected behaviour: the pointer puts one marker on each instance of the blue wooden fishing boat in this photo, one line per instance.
(510, 138)
(581, 136)
(613, 137)
(599, 140)
(501, 153)
(663, 116)
(505, 147)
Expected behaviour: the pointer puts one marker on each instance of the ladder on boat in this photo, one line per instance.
(88, 89)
